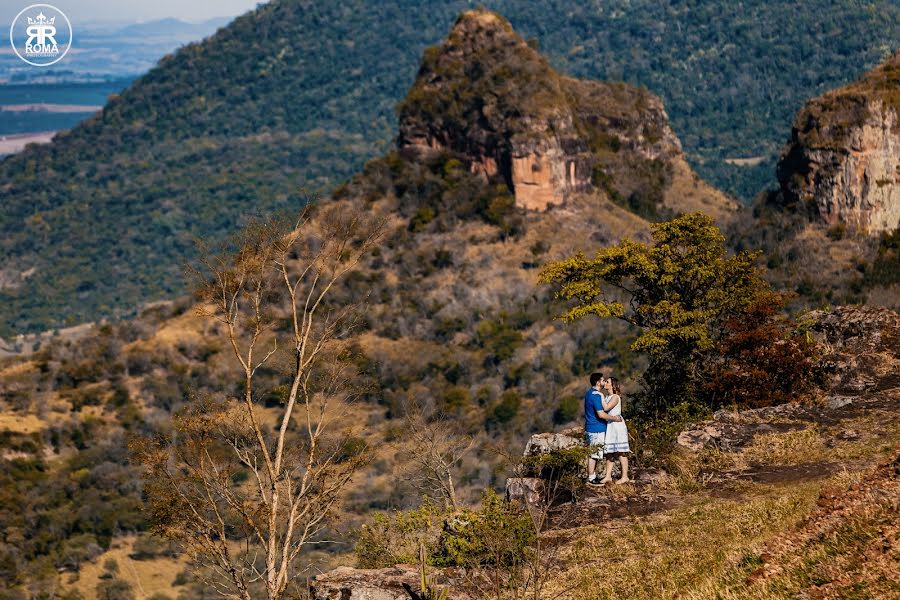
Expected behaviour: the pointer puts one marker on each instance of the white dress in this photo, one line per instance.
(616, 432)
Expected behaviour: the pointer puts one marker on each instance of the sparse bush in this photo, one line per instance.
(505, 410)
(498, 534)
(395, 537)
(455, 398)
(568, 410)
(114, 589)
(147, 547)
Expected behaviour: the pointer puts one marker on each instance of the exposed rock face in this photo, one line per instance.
(489, 97)
(529, 490)
(843, 161)
(862, 350)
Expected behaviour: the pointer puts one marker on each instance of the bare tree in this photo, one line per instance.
(246, 487)
(436, 448)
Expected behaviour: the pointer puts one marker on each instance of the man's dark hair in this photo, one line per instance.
(595, 377)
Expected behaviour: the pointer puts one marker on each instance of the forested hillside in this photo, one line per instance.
(292, 98)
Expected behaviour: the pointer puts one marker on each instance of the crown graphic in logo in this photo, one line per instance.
(41, 20)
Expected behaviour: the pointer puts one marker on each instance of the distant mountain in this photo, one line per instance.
(296, 95)
(173, 27)
(110, 52)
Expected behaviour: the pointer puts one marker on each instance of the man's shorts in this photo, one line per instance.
(596, 441)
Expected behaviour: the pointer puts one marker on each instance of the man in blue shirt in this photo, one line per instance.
(595, 419)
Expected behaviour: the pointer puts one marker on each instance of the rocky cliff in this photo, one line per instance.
(842, 164)
(487, 95)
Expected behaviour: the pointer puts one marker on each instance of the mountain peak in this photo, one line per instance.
(486, 95)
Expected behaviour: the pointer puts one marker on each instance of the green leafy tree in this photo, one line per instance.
(679, 290)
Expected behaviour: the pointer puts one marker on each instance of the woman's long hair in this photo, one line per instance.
(615, 385)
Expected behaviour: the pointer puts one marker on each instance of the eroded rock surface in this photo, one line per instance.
(545, 443)
(843, 160)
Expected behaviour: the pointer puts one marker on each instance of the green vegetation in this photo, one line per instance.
(707, 321)
(291, 99)
(493, 544)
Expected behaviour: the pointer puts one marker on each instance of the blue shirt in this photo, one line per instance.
(593, 401)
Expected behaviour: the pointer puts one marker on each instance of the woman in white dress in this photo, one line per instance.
(616, 443)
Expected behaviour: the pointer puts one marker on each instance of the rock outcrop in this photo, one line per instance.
(861, 347)
(842, 164)
(545, 443)
(488, 96)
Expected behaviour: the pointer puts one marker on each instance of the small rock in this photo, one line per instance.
(727, 416)
(713, 432)
(694, 439)
(391, 583)
(834, 402)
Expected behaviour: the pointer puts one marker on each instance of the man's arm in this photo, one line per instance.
(607, 417)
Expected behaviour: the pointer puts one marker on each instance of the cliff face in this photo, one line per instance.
(487, 95)
(843, 161)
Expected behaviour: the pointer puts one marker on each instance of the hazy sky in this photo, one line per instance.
(86, 11)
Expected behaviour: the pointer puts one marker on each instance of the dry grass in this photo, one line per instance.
(688, 193)
(663, 555)
(789, 448)
(146, 577)
(20, 423)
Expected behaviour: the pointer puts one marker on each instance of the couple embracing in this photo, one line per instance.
(605, 428)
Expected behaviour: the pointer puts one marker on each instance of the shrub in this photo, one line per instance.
(395, 538)
(147, 547)
(498, 534)
(498, 338)
(114, 589)
(505, 410)
(351, 447)
(761, 359)
(455, 398)
(568, 410)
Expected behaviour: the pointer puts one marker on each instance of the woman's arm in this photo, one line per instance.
(609, 405)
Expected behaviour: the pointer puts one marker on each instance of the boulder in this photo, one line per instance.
(347, 583)
(545, 443)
